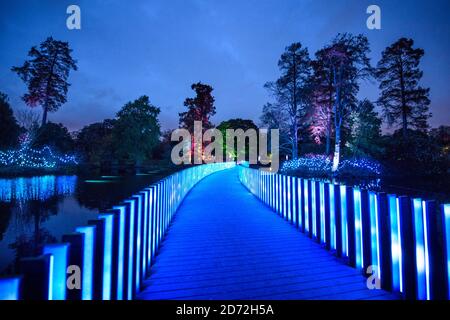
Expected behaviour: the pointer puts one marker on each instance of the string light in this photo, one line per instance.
(28, 157)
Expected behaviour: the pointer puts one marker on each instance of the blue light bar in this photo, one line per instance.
(306, 203)
(88, 262)
(322, 212)
(358, 228)
(138, 238)
(59, 253)
(107, 259)
(419, 236)
(121, 251)
(446, 217)
(396, 245)
(344, 225)
(10, 288)
(374, 232)
(288, 198)
(332, 218)
(313, 209)
(132, 213)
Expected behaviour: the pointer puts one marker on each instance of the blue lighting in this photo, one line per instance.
(421, 267)
(344, 227)
(107, 259)
(130, 249)
(88, 261)
(313, 208)
(358, 228)
(121, 253)
(322, 212)
(446, 213)
(10, 288)
(138, 240)
(396, 245)
(374, 232)
(332, 218)
(59, 253)
(306, 203)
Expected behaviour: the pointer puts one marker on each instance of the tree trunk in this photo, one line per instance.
(337, 148)
(295, 144)
(44, 117)
(328, 135)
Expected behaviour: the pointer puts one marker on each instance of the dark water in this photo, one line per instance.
(39, 210)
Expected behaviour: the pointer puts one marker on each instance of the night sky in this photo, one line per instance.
(159, 48)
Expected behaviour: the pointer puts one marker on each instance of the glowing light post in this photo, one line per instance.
(59, 253)
(146, 232)
(331, 200)
(288, 199)
(396, 243)
(118, 258)
(108, 255)
(138, 200)
(374, 232)
(313, 214)
(407, 247)
(344, 220)
(421, 250)
(322, 219)
(87, 287)
(294, 201)
(10, 288)
(130, 248)
(307, 201)
(358, 229)
(445, 209)
(300, 206)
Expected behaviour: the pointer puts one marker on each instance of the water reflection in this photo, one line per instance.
(36, 188)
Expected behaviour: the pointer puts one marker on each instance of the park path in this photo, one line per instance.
(225, 244)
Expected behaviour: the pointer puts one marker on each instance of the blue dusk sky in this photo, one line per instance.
(126, 49)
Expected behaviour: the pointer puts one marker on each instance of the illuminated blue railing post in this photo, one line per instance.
(138, 238)
(366, 233)
(146, 260)
(76, 258)
(384, 240)
(98, 257)
(316, 209)
(300, 205)
(396, 243)
(445, 212)
(313, 214)
(294, 201)
(338, 220)
(407, 247)
(326, 222)
(421, 250)
(309, 208)
(11, 288)
(107, 259)
(436, 254)
(37, 277)
(350, 225)
(87, 269)
(118, 250)
(60, 257)
(356, 245)
(130, 248)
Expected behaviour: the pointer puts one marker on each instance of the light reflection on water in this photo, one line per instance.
(36, 188)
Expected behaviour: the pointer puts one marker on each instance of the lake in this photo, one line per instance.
(39, 210)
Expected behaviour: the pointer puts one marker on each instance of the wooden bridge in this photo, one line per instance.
(226, 244)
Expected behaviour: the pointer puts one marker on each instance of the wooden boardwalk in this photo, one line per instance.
(225, 244)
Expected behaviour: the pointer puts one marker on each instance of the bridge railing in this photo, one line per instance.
(402, 242)
(110, 256)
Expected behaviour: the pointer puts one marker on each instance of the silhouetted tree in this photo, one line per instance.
(201, 108)
(95, 141)
(290, 90)
(322, 100)
(46, 75)
(365, 130)
(136, 131)
(347, 57)
(9, 129)
(235, 124)
(404, 102)
(54, 135)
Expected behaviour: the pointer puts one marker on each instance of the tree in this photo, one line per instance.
(290, 90)
(54, 135)
(201, 108)
(273, 117)
(95, 141)
(365, 126)
(46, 75)
(322, 100)
(402, 99)
(136, 131)
(236, 124)
(9, 129)
(347, 58)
